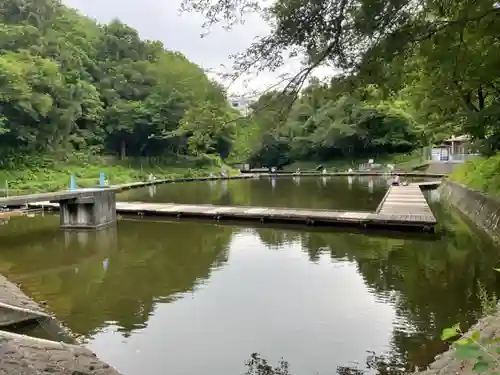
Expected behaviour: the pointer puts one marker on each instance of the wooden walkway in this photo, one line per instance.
(403, 207)
(407, 203)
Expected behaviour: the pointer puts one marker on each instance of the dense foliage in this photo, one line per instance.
(68, 83)
(326, 123)
(425, 69)
(412, 75)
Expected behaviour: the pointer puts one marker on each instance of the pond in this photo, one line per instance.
(339, 193)
(190, 298)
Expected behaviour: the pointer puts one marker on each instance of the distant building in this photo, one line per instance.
(242, 104)
(459, 145)
(455, 148)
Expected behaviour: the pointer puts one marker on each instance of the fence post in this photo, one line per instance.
(72, 182)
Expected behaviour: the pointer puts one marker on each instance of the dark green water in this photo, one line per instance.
(339, 193)
(192, 298)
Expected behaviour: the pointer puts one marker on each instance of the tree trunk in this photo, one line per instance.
(480, 97)
(123, 149)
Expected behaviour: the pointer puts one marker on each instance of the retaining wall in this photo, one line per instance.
(484, 210)
(22, 354)
(447, 364)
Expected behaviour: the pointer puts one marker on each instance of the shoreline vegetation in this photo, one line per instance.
(71, 86)
(49, 174)
(482, 173)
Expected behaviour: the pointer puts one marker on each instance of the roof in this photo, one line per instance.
(460, 138)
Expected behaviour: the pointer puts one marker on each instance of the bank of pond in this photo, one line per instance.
(188, 297)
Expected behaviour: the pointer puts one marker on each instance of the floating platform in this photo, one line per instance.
(402, 207)
(406, 202)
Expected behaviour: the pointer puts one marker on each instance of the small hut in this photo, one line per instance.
(441, 152)
(459, 146)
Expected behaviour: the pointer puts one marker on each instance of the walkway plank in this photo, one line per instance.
(401, 207)
(408, 202)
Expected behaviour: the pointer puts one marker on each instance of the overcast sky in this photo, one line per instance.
(161, 20)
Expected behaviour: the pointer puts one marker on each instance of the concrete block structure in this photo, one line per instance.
(92, 209)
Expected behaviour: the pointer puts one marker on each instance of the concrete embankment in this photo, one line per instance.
(448, 364)
(24, 355)
(484, 210)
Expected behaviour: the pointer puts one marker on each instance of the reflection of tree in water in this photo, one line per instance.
(274, 239)
(149, 263)
(258, 365)
(430, 281)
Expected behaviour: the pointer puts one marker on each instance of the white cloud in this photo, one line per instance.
(161, 20)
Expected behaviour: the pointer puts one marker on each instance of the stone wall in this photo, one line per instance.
(24, 355)
(484, 210)
(448, 364)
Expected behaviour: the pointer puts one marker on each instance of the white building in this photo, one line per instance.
(242, 104)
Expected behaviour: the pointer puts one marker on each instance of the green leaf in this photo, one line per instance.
(497, 269)
(449, 333)
(481, 366)
(475, 335)
(464, 341)
(468, 351)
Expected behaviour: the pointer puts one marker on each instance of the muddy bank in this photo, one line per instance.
(24, 355)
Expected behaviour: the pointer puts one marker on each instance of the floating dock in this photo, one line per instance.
(406, 203)
(402, 207)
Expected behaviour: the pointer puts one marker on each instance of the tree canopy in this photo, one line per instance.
(412, 74)
(411, 71)
(69, 83)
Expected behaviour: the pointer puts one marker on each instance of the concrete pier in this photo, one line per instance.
(93, 209)
(386, 219)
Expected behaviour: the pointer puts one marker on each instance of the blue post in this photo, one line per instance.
(72, 182)
(102, 181)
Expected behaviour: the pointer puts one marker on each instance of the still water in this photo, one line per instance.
(340, 193)
(192, 298)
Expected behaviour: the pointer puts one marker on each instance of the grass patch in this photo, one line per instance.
(480, 173)
(50, 175)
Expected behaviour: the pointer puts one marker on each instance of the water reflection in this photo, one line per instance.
(300, 191)
(152, 190)
(106, 238)
(91, 278)
(434, 195)
(189, 298)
